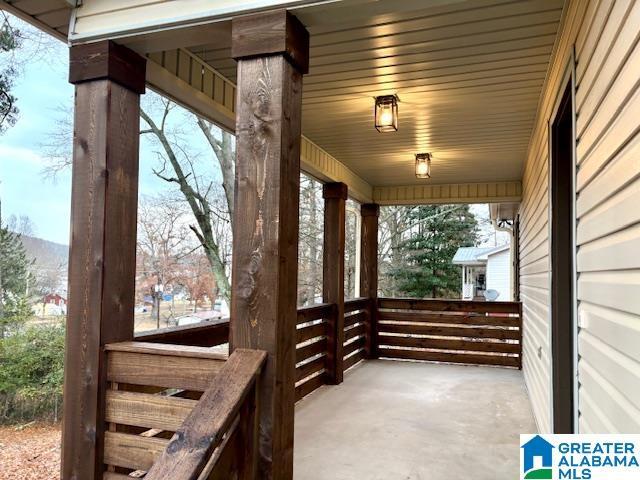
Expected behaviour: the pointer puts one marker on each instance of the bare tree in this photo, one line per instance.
(22, 225)
(310, 241)
(352, 237)
(196, 189)
(224, 148)
(197, 279)
(210, 201)
(163, 240)
(20, 44)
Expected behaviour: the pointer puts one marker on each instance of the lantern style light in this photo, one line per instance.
(386, 113)
(423, 165)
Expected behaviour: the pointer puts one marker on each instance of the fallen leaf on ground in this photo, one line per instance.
(30, 453)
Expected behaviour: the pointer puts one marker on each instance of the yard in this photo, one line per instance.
(31, 452)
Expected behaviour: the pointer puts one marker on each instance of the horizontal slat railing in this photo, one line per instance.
(487, 333)
(191, 452)
(357, 314)
(152, 388)
(315, 312)
(354, 304)
(455, 306)
(311, 349)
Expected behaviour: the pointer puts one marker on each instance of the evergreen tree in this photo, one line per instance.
(10, 39)
(15, 278)
(436, 232)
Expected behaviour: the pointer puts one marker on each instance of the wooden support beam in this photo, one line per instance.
(103, 240)
(277, 32)
(265, 240)
(335, 199)
(369, 272)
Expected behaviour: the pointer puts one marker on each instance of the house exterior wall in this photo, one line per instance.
(604, 35)
(499, 274)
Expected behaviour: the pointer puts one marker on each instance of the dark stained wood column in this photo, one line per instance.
(272, 53)
(369, 272)
(335, 199)
(109, 80)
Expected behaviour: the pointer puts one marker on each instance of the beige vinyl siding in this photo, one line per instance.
(608, 210)
(606, 36)
(534, 224)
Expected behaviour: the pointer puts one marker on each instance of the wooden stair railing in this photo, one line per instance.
(153, 389)
(224, 419)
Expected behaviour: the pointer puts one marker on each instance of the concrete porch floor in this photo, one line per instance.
(394, 420)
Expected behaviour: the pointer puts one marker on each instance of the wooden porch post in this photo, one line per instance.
(335, 199)
(369, 272)
(272, 52)
(109, 80)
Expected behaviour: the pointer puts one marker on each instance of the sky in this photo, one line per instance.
(40, 89)
(45, 97)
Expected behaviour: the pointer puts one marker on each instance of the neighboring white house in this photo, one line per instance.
(485, 268)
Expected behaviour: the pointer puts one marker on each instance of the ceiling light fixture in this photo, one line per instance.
(423, 165)
(386, 113)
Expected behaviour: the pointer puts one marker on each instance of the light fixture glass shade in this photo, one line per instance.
(423, 165)
(386, 113)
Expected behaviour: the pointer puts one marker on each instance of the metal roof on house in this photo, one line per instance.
(469, 255)
(492, 251)
(476, 255)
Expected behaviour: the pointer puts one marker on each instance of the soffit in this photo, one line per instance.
(468, 73)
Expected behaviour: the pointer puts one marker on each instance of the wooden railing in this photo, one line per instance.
(152, 388)
(357, 313)
(187, 412)
(155, 393)
(428, 330)
(312, 347)
(224, 419)
(314, 357)
(203, 334)
(486, 333)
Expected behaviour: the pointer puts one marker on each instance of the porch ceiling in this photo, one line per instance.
(51, 16)
(468, 74)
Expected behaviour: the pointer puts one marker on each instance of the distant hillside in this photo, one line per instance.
(51, 263)
(44, 249)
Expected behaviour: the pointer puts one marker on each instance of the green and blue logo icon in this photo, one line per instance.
(537, 460)
(580, 457)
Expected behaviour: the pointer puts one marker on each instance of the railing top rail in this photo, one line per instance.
(443, 305)
(165, 349)
(356, 304)
(190, 448)
(206, 333)
(356, 299)
(315, 312)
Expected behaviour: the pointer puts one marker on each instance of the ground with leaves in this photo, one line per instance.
(31, 452)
